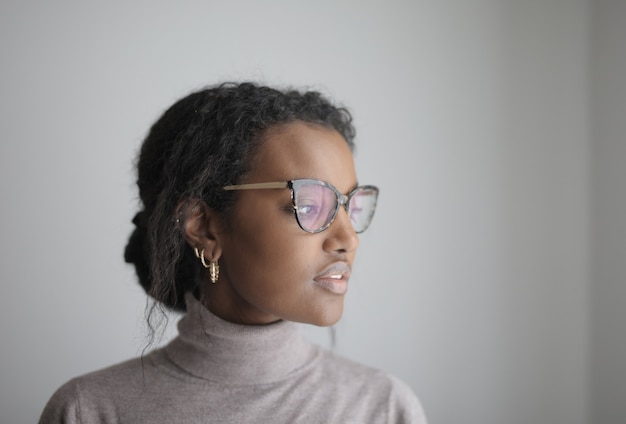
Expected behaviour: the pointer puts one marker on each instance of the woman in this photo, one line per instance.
(251, 209)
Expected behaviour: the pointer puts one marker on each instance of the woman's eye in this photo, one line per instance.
(308, 209)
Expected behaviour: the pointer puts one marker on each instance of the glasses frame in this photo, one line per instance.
(293, 185)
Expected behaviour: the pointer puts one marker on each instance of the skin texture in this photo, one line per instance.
(269, 267)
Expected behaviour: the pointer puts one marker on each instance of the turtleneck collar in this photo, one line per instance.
(213, 349)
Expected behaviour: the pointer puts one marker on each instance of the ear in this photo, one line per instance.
(202, 227)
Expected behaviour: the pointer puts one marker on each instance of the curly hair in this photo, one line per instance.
(202, 143)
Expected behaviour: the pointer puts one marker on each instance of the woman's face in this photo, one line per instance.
(270, 268)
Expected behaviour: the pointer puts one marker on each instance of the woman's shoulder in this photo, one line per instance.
(346, 368)
(124, 374)
(373, 387)
(98, 391)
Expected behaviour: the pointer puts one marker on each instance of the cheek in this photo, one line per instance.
(270, 263)
(268, 242)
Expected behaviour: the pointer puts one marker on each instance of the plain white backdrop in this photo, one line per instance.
(492, 279)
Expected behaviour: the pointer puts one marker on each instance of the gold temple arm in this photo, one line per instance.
(253, 186)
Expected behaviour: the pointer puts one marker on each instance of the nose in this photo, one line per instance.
(341, 236)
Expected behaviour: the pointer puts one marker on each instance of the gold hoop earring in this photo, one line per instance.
(214, 271)
(202, 260)
(213, 266)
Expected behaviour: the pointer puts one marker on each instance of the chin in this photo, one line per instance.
(327, 318)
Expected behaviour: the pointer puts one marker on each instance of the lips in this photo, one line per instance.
(334, 278)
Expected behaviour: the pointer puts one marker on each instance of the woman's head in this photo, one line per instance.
(229, 135)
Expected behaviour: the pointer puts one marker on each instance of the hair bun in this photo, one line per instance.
(138, 220)
(136, 254)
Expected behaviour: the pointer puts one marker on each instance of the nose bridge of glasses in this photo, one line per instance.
(343, 200)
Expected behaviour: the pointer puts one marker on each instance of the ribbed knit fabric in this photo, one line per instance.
(219, 372)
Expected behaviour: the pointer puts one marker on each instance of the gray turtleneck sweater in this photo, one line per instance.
(219, 372)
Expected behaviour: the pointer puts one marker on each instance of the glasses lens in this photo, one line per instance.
(315, 206)
(362, 206)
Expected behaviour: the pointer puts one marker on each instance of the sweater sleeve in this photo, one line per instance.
(64, 406)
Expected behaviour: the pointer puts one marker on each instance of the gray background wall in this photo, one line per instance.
(608, 154)
(493, 279)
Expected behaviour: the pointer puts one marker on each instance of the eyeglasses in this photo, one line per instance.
(316, 203)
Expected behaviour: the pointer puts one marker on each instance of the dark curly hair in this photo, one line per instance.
(204, 142)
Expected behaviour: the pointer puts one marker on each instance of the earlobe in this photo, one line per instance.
(201, 226)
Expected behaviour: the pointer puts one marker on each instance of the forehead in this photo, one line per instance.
(300, 150)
